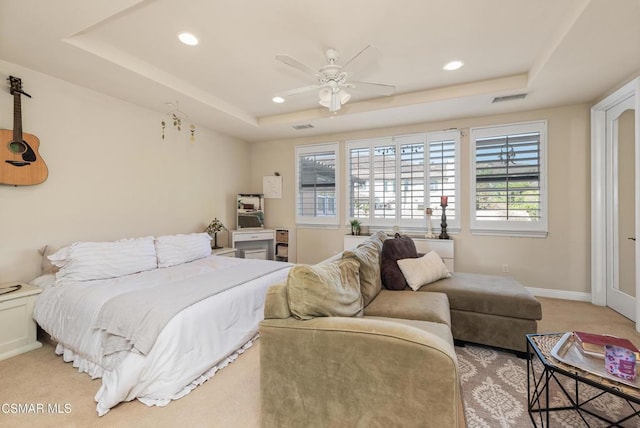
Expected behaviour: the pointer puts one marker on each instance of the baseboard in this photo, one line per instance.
(560, 294)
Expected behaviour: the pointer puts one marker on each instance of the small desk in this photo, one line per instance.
(553, 386)
(254, 238)
(17, 327)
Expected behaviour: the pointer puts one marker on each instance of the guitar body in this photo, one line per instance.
(20, 162)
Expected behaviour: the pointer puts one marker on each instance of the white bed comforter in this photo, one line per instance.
(192, 346)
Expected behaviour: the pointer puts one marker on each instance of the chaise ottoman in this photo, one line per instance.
(488, 309)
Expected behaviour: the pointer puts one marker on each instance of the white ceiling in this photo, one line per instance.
(558, 52)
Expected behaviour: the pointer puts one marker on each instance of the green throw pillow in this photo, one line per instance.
(331, 289)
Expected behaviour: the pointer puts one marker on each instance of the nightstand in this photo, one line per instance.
(17, 327)
(226, 252)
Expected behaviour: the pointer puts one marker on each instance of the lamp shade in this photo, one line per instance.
(214, 227)
(333, 98)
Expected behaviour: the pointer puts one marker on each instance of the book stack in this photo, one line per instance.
(593, 344)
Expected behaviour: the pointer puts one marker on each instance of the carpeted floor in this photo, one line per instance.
(493, 382)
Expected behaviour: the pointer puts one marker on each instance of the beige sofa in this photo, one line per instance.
(337, 350)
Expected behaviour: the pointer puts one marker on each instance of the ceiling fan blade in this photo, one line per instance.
(292, 62)
(377, 88)
(360, 56)
(301, 90)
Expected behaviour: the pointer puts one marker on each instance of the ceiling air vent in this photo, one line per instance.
(305, 126)
(509, 98)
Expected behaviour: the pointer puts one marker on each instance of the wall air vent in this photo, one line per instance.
(509, 98)
(305, 126)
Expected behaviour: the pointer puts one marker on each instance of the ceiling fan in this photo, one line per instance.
(333, 80)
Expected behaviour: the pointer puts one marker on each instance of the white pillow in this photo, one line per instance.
(177, 249)
(86, 261)
(423, 270)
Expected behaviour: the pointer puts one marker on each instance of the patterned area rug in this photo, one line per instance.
(494, 388)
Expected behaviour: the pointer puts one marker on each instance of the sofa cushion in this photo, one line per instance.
(368, 254)
(406, 304)
(438, 329)
(400, 247)
(330, 289)
(423, 270)
(488, 294)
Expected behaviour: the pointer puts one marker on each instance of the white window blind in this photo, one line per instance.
(317, 184)
(393, 180)
(509, 193)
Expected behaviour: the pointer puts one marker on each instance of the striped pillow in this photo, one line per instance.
(177, 249)
(86, 261)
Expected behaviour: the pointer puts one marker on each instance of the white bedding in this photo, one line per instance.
(190, 348)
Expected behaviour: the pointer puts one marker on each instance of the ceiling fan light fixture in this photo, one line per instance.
(325, 97)
(344, 96)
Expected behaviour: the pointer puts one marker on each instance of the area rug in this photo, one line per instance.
(494, 389)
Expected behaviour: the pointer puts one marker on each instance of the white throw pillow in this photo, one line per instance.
(86, 261)
(423, 270)
(177, 249)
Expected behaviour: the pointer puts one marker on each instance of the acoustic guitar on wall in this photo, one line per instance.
(20, 162)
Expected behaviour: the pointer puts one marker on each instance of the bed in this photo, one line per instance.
(200, 339)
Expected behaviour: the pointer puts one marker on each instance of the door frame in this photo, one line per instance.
(601, 194)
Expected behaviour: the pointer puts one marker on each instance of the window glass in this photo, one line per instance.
(508, 179)
(393, 180)
(317, 184)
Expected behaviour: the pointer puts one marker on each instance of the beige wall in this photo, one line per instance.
(558, 262)
(110, 174)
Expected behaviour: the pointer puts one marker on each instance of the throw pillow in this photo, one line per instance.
(330, 289)
(400, 247)
(86, 261)
(368, 254)
(47, 266)
(423, 270)
(182, 248)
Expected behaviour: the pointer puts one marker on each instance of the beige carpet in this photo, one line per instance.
(229, 399)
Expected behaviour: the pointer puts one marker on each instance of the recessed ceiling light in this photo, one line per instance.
(278, 100)
(453, 65)
(188, 39)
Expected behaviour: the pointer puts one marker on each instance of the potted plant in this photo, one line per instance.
(355, 227)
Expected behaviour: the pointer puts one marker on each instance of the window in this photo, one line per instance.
(508, 179)
(317, 184)
(391, 181)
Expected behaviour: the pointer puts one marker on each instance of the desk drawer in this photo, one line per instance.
(257, 236)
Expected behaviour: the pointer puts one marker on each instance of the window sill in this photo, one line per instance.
(511, 233)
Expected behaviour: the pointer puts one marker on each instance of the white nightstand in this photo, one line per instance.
(226, 252)
(17, 327)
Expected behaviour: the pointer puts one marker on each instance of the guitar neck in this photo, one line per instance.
(17, 117)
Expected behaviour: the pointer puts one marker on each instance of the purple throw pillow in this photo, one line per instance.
(400, 247)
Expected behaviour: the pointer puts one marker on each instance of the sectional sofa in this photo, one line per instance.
(339, 350)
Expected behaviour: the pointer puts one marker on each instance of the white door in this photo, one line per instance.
(621, 257)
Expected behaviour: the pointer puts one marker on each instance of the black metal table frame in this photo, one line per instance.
(548, 374)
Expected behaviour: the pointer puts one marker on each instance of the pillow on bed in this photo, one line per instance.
(47, 266)
(325, 290)
(177, 249)
(86, 261)
(423, 270)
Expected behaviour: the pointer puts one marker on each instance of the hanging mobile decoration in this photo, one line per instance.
(176, 117)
